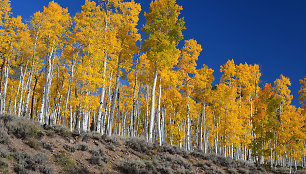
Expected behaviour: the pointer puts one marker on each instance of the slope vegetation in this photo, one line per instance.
(27, 147)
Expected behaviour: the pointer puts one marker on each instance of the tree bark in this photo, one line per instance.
(3, 95)
(111, 116)
(152, 114)
(158, 114)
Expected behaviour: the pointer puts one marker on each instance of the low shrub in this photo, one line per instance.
(22, 128)
(203, 166)
(6, 118)
(69, 148)
(20, 169)
(96, 135)
(132, 167)
(65, 160)
(3, 165)
(40, 158)
(69, 165)
(4, 137)
(29, 162)
(115, 140)
(111, 147)
(3, 153)
(25, 160)
(81, 146)
(31, 142)
(170, 149)
(61, 130)
(232, 171)
(139, 145)
(48, 145)
(214, 170)
(184, 171)
(46, 170)
(98, 157)
(243, 171)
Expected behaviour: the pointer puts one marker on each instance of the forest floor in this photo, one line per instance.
(27, 147)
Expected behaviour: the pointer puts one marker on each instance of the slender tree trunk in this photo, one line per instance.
(152, 117)
(146, 112)
(21, 92)
(17, 93)
(33, 96)
(3, 95)
(107, 106)
(43, 115)
(158, 114)
(188, 140)
(71, 118)
(111, 116)
(10, 102)
(102, 99)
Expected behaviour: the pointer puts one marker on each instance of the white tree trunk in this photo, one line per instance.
(3, 95)
(17, 93)
(21, 92)
(146, 112)
(111, 116)
(188, 140)
(44, 109)
(152, 116)
(102, 99)
(107, 106)
(158, 114)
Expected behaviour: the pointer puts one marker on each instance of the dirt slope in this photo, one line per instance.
(27, 147)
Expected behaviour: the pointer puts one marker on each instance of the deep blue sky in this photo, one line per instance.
(269, 33)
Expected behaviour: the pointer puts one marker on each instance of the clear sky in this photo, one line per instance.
(269, 33)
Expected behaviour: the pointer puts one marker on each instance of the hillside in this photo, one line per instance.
(27, 147)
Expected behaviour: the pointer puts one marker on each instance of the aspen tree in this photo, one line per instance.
(54, 24)
(165, 31)
(186, 67)
(127, 38)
